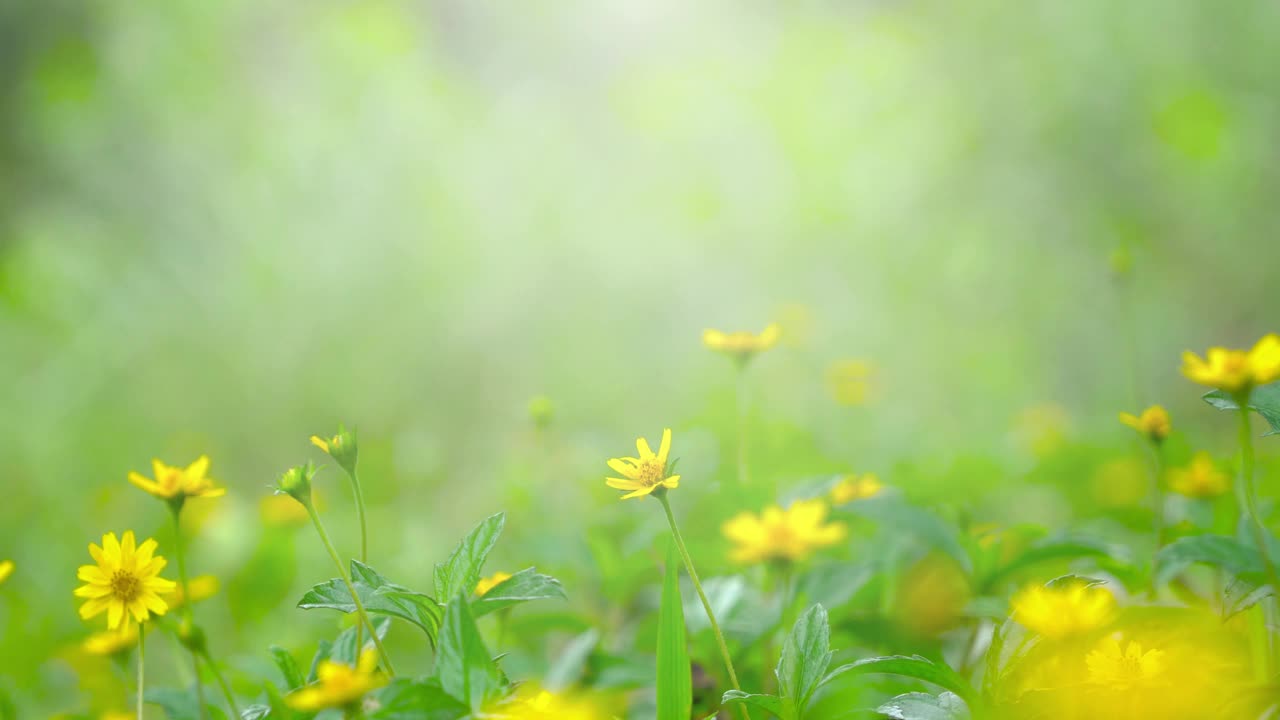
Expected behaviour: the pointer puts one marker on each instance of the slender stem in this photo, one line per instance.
(706, 604)
(142, 663)
(222, 682)
(195, 666)
(180, 551)
(364, 529)
(1249, 493)
(363, 617)
(1157, 508)
(740, 403)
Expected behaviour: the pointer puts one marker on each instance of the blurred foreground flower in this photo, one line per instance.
(338, 685)
(776, 534)
(488, 583)
(546, 706)
(856, 487)
(1125, 669)
(176, 484)
(111, 642)
(1235, 371)
(742, 345)
(1059, 612)
(6, 569)
(1200, 479)
(644, 475)
(1153, 423)
(851, 382)
(125, 582)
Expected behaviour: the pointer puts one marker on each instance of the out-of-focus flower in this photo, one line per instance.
(1200, 479)
(852, 381)
(645, 474)
(338, 685)
(1153, 423)
(776, 534)
(111, 642)
(1057, 613)
(932, 594)
(125, 581)
(177, 484)
(488, 583)
(6, 569)
(342, 447)
(201, 587)
(1124, 669)
(282, 510)
(1235, 371)
(742, 345)
(548, 706)
(856, 487)
(1043, 428)
(541, 411)
(116, 715)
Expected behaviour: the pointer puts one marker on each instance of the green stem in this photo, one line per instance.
(697, 585)
(180, 552)
(364, 533)
(740, 403)
(1249, 493)
(363, 617)
(142, 663)
(222, 682)
(1157, 509)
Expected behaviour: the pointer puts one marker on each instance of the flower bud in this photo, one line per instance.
(341, 447)
(192, 637)
(296, 483)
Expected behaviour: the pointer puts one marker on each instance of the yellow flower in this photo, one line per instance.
(742, 344)
(546, 706)
(1234, 371)
(645, 474)
(6, 569)
(777, 534)
(111, 642)
(1200, 479)
(114, 715)
(175, 483)
(489, 583)
(1061, 612)
(338, 685)
(853, 487)
(201, 587)
(851, 381)
(282, 510)
(125, 582)
(1125, 669)
(1153, 422)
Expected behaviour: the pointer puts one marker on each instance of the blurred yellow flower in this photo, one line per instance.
(282, 510)
(491, 582)
(1061, 612)
(1153, 423)
(1233, 371)
(125, 582)
(338, 685)
(546, 706)
(6, 569)
(851, 381)
(742, 344)
(111, 642)
(643, 475)
(1124, 669)
(201, 587)
(777, 534)
(1200, 479)
(114, 715)
(855, 487)
(175, 483)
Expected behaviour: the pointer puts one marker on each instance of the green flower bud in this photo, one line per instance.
(342, 447)
(192, 637)
(296, 483)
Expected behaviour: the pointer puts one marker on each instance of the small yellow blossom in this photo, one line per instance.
(851, 382)
(125, 581)
(742, 344)
(1235, 371)
(547, 706)
(175, 483)
(111, 642)
(1124, 669)
(1061, 612)
(855, 487)
(338, 685)
(645, 474)
(201, 587)
(6, 569)
(1153, 423)
(116, 715)
(777, 534)
(491, 582)
(1200, 479)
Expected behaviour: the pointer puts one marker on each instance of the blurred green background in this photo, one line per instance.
(227, 226)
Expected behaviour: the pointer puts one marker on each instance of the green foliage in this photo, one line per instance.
(1218, 550)
(922, 706)
(892, 512)
(288, 667)
(521, 587)
(675, 688)
(1265, 400)
(379, 596)
(913, 667)
(461, 571)
(464, 667)
(405, 699)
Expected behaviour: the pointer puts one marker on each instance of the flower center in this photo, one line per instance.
(171, 480)
(125, 585)
(651, 472)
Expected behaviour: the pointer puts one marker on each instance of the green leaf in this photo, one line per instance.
(181, 704)
(1044, 552)
(255, 712)
(288, 668)
(1218, 550)
(923, 706)
(771, 704)
(914, 667)
(571, 661)
(464, 666)
(524, 586)
(405, 699)
(806, 653)
(675, 677)
(461, 572)
(379, 595)
(895, 514)
(344, 650)
(1265, 400)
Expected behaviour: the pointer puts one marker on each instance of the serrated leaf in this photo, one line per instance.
(464, 666)
(923, 706)
(524, 586)
(771, 704)
(895, 514)
(909, 666)
(806, 653)
(288, 668)
(1218, 550)
(405, 699)
(1264, 400)
(379, 595)
(675, 678)
(461, 572)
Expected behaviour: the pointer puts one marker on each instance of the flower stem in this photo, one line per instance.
(1249, 492)
(363, 617)
(180, 552)
(222, 682)
(706, 604)
(364, 529)
(740, 405)
(142, 663)
(1157, 509)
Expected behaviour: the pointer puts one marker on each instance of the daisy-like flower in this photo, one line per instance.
(491, 582)
(111, 642)
(1200, 479)
(1235, 371)
(856, 487)
(1124, 669)
(1153, 423)
(338, 685)
(742, 345)
(125, 583)
(645, 474)
(176, 484)
(1061, 612)
(777, 534)
(201, 587)
(6, 569)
